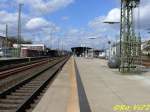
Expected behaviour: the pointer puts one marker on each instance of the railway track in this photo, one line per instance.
(13, 70)
(11, 66)
(19, 97)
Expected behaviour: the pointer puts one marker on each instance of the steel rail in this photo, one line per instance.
(13, 71)
(31, 88)
(11, 66)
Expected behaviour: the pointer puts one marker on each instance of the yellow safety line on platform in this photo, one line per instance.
(73, 104)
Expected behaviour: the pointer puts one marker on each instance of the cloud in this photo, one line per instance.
(7, 17)
(40, 30)
(65, 18)
(46, 6)
(73, 31)
(113, 15)
(30, 26)
(11, 20)
(37, 23)
(144, 15)
(97, 23)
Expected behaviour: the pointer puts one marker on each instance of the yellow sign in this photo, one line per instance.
(126, 108)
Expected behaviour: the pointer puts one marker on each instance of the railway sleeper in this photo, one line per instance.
(14, 97)
(6, 101)
(24, 90)
(31, 86)
(21, 94)
(38, 80)
(39, 83)
(7, 110)
(8, 106)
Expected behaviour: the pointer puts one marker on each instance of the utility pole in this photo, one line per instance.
(6, 35)
(51, 36)
(59, 46)
(58, 43)
(19, 30)
(52, 31)
(109, 43)
(6, 41)
(62, 45)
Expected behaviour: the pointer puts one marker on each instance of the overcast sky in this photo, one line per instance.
(70, 22)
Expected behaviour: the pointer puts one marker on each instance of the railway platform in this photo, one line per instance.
(88, 85)
(2, 58)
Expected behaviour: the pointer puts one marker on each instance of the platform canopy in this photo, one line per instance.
(80, 50)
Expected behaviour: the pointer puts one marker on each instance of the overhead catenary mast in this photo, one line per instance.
(6, 40)
(19, 30)
(130, 44)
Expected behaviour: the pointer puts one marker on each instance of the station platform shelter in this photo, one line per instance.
(80, 51)
(86, 52)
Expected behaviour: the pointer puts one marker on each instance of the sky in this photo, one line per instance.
(68, 23)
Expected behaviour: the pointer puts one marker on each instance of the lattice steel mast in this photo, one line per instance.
(130, 44)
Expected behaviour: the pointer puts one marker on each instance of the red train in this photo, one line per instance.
(25, 52)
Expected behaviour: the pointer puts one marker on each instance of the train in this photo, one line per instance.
(25, 52)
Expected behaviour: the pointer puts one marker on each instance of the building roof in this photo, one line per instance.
(80, 48)
(33, 45)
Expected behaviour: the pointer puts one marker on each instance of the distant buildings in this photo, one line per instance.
(115, 49)
(146, 48)
(6, 46)
(6, 42)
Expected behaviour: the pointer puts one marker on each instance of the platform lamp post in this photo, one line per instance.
(92, 38)
(109, 42)
(85, 53)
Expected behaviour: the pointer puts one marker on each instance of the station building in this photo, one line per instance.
(6, 42)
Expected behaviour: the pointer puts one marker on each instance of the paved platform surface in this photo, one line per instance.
(106, 87)
(94, 88)
(61, 95)
(9, 58)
